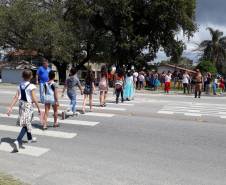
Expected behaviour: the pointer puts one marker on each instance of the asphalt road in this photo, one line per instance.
(153, 140)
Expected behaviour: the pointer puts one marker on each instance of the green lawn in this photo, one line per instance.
(9, 180)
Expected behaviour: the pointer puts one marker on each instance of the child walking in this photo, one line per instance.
(27, 97)
(70, 85)
(119, 83)
(88, 91)
(51, 99)
(103, 87)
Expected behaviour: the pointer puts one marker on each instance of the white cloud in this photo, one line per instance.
(192, 44)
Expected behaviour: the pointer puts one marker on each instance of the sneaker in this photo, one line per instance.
(34, 140)
(76, 114)
(70, 113)
(16, 146)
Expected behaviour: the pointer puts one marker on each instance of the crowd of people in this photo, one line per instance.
(124, 84)
(188, 81)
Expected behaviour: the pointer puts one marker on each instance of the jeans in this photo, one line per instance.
(118, 92)
(214, 88)
(72, 97)
(22, 133)
(186, 87)
(42, 93)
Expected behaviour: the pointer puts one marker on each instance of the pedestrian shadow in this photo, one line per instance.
(37, 125)
(9, 141)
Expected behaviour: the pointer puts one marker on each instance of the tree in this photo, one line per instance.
(114, 31)
(215, 49)
(38, 25)
(132, 26)
(207, 66)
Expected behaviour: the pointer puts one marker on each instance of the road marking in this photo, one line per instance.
(98, 108)
(48, 133)
(193, 114)
(224, 113)
(96, 102)
(97, 114)
(223, 117)
(165, 112)
(67, 121)
(106, 108)
(29, 150)
(8, 92)
(193, 110)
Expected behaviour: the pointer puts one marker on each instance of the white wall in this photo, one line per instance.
(11, 76)
(166, 69)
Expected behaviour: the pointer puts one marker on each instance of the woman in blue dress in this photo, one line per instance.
(129, 87)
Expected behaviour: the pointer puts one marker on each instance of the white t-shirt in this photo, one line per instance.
(135, 75)
(168, 78)
(28, 91)
(141, 78)
(186, 79)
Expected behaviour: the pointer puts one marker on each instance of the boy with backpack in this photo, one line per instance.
(27, 97)
(51, 99)
(70, 85)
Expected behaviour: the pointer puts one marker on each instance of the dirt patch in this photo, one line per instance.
(9, 180)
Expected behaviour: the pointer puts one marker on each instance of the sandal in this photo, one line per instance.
(44, 128)
(56, 125)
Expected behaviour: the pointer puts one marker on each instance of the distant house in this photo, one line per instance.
(11, 72)
(18, 61)
(172, 68)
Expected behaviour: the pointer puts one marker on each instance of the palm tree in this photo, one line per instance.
(214, 49)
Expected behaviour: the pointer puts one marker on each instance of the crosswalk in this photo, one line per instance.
(37, 151)
(194, 109)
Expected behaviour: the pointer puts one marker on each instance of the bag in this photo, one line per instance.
(49, 94)
(118, 84)
(88, 89)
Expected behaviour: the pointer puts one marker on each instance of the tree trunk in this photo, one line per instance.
(62, 69)
(82, 63)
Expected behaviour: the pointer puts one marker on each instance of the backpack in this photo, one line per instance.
(119, 83)
(49, 94)
(88, 88)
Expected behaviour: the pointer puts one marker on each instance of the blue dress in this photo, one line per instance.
(128, 92)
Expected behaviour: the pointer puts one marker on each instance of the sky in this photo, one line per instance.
(209, 13)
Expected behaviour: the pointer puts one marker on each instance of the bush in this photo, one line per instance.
(207, 66)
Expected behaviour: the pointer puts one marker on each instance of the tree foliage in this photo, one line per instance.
(116, 31)
(207, 66)
(215, 49)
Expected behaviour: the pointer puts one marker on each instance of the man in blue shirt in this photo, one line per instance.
(42, 77)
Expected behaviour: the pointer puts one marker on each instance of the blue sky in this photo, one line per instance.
(209, 13)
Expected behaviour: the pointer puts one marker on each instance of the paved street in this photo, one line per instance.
(154, 140)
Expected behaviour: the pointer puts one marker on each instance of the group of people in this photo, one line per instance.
(124, 84)
(190, 81)
(49, 96)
